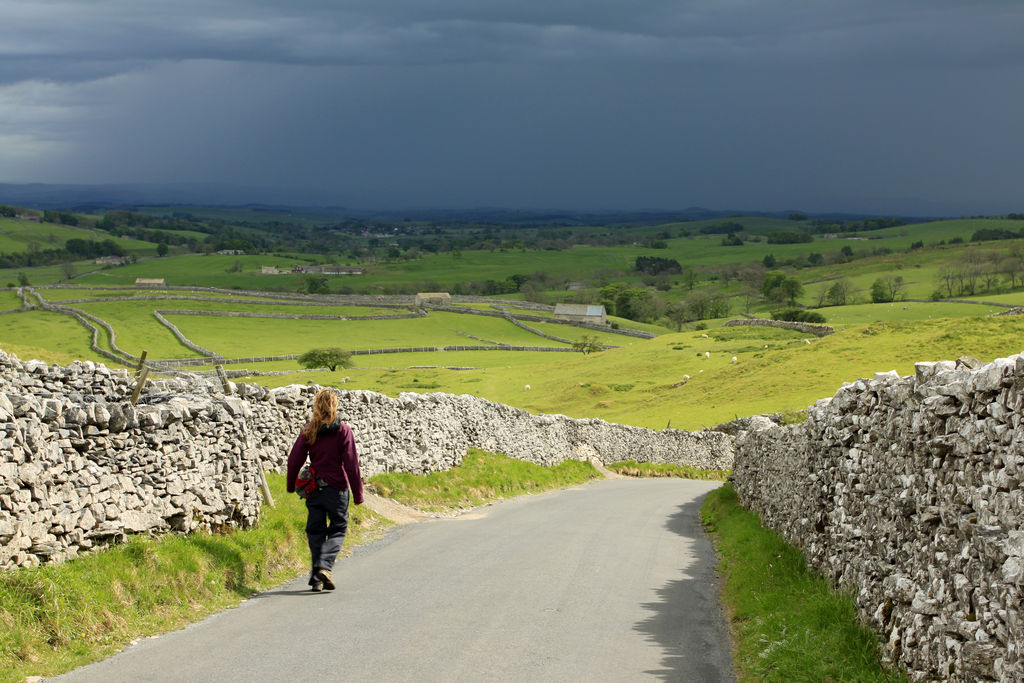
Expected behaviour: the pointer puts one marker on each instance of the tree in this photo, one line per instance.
(690, 278)
(69, 270)
(23, 280)
(839, 293)
(161, 249)
(1011, 267)
(316, 284)
(587, 344)
(779, 287)
(792, 289)
(678, 313)
(896, 286)
(879, 292)
(329, 358)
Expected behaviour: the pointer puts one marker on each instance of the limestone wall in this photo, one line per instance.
(81, 465)
(906, 490)
(808, 328)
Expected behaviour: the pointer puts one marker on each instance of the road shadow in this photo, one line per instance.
(687, 619)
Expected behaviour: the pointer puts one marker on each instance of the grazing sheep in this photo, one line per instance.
(734, 359)
(707, 354)
(807, 341)
(704, 336)
(526, 388)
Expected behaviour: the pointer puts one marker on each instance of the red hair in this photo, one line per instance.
(325, 412)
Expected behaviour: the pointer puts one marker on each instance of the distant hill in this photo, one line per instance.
(98, 198)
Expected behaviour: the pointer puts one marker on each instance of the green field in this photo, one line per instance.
(640, 383)
(17, 236)
(9, 300)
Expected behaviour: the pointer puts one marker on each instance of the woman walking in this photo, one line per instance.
(331, 449)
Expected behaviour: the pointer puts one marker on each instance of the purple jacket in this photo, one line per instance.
(333, 457)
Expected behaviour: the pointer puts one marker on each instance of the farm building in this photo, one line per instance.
(111, 260)
(581, 313)
(150, 282)
(433, 299)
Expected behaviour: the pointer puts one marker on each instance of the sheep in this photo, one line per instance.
(807, 341)
(734, 359)
(704, 336)
(526, 388)
(707, 354)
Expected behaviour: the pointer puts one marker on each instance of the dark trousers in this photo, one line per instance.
(325, 539)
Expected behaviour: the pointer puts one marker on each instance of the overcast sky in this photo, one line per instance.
(912, 106)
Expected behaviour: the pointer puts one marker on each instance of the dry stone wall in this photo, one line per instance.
(807, 328)
(81, 465)
(907, 490)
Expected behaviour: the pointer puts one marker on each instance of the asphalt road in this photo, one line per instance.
(609, 581)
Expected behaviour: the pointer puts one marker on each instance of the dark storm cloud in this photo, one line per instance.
(75, 40)
(650, 103)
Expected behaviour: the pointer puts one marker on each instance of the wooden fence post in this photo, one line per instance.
(223, 379)
(139, 384)
(263, 485)
(142, 361)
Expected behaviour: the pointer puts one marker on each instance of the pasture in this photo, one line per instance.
(685, 379)
(17, 236)
(667, 380)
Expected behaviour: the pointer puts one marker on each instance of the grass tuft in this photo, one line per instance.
(788, 623)
(632, 468)
(481, 478)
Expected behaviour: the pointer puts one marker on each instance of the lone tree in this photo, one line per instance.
(587, 344)
(329, 358)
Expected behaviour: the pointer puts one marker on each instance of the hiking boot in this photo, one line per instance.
(316, 587)
(325, 576)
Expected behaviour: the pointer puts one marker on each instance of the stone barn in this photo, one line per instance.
(581, 313)
(433, 299)
(150, 282)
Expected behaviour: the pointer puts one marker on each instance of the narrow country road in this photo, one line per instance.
(609, 581)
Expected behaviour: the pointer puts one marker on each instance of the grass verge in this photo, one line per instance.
(788, 624)
(481, 478)
(632, 468)
(58, 617)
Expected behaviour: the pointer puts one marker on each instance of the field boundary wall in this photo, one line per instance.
(907, 492)
(808, 328)
(81, 466)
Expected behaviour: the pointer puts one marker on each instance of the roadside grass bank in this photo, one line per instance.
(58, 617)
(481, 478)
(632, 468)
(787, 623)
